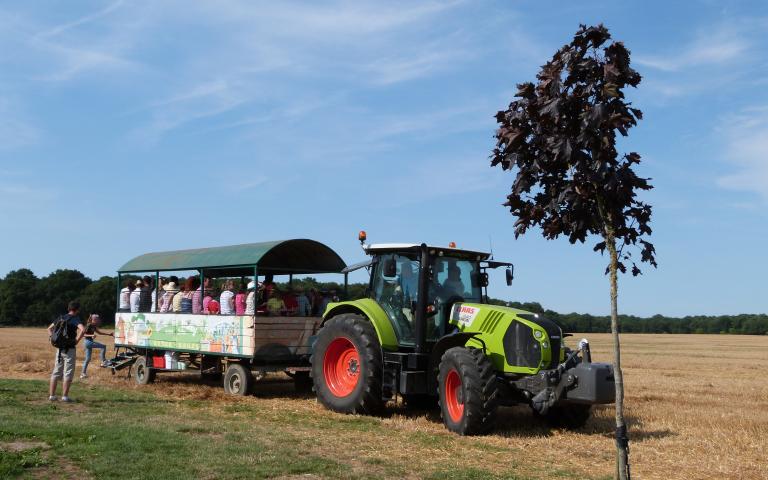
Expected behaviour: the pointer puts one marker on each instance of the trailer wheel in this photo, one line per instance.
(468, 391)
(143, 374)
(347, 365)
(570, 416)
(237, 379)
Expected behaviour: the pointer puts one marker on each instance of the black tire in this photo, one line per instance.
(569, 416)
(302, 381)
(237, 379)
(420, 402)
(354, 335)
(471, 407)
(142, 372)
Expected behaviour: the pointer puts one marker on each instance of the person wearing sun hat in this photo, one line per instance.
(250, 301)
(170, 290)
(135, 299)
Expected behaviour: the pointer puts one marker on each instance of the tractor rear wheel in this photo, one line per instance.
(237, 379)
(142, 372)
(569, 416)
(468, 391)
(347, 365)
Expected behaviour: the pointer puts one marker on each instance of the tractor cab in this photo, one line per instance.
(451, 276)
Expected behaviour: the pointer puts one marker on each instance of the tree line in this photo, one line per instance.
(26, 300)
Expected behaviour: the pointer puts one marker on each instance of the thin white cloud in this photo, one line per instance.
(58, 29)
(713, 50)
(747, 152)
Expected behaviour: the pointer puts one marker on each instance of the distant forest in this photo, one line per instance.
(26, 300)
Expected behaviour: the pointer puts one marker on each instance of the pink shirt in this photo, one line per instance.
(240, 304)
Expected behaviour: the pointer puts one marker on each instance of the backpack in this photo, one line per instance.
(63, 336)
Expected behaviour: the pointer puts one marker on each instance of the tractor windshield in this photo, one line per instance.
(453, 280)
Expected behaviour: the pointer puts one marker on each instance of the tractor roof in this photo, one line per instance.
(415, 247)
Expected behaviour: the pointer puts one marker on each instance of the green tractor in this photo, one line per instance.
(427, 333)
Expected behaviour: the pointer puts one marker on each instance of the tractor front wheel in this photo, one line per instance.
(347, 365)
(468, 391)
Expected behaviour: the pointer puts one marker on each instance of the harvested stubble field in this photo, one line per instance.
(697, 407)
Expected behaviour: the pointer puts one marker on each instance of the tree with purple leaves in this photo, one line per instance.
(559, 137)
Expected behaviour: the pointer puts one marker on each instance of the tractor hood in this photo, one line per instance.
(519, 341)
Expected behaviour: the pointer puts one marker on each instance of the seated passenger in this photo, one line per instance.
(291, 304)
(275, 304)
(166, 301)
(197, 304)
(324, 301)
(250, 301)
(240, 300)
(303, 305)
(213, 307)
(145, 296)
(135, 300)
(189, 292)
(227, 298)
(177, 300)
(125, 295)
(453, 284)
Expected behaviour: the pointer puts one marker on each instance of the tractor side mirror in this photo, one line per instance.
(510, 274)
(390, 267)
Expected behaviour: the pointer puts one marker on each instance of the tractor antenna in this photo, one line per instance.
(490, 243)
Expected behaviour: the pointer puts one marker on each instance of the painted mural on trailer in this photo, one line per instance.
(222, 334)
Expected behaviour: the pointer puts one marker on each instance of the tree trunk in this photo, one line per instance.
(622, 441)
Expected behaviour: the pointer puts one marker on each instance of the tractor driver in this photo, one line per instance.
(453, 286)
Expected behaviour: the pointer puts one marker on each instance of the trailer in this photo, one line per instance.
(233, 346)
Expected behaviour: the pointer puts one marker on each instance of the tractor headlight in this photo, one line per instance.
(545, 345)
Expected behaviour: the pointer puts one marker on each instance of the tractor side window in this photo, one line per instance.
(397, 292)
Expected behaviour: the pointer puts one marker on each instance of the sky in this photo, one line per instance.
(135, 126)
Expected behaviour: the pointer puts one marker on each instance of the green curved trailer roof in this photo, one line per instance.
(278, 257)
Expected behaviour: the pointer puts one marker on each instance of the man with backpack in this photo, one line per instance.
(65, 333)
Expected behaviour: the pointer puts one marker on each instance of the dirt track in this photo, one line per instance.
(697, 405)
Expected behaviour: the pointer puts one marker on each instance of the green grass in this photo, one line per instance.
(130, 435)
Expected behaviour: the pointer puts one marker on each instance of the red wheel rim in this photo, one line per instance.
(453, 397)
(341, 367)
